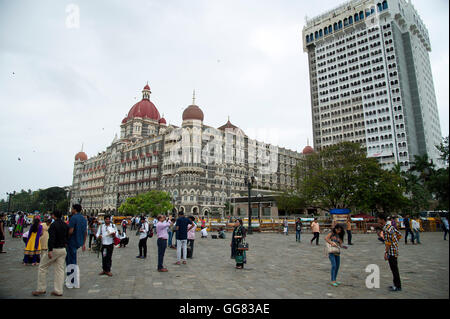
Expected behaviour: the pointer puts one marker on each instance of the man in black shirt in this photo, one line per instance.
(408, 230)
(57, 241)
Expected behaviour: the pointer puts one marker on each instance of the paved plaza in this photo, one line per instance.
(277, 267)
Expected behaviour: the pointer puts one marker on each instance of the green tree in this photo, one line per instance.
(153, 203)
(290, 202)
(341, 176)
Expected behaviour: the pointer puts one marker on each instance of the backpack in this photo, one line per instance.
(150, 232)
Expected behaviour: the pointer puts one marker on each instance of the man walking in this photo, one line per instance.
(416, 229)
(181, 236)
(298, 229)
(315, 230)
(106, 233)
(56, 255)
(391, 238)
(349, 230)
(408, 230)
(77, 239)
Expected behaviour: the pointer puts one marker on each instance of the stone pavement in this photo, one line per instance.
(277, 267)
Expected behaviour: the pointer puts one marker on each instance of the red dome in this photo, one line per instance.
(193, 112)
(308, 150)
(124, 120)
(162, 121)
(81, 156)
(144, 109)
(146, 87)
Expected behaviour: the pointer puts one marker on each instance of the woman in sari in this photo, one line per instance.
(237, 238)
(18, 231)
(33, 247)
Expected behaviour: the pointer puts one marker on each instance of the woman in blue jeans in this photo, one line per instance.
(335, 240)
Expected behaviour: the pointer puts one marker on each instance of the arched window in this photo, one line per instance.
(325, 31)
(340, 24)
(345, 22)
(350, 20)
(307, 39)
(316, 35)
(311, 37)
(367, 12)
(320, 33)
(380, 7)
(385, 5)
(372, 10)
(356, 17)
(330, 29)
(361, 15)
(335, 26)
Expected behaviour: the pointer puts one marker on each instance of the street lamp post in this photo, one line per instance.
(259, 206)
(9, 199)
(117, 203)
(249, 181)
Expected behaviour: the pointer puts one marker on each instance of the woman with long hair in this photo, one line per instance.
(33, 246)
(239, 234)
(334, 243)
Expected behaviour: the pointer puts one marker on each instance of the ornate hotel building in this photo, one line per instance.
(202, 167)
(371, 80)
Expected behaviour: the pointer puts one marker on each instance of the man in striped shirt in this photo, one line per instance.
(391, 238)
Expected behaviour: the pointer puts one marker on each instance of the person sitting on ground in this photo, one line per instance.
(123, 239)
(221, 233)
(204, 233)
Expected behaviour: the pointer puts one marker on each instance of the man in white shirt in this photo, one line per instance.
(143, 233)
(106, 232)
(204, 233)
(416, 229)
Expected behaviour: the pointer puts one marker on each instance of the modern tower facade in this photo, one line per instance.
(371, 80)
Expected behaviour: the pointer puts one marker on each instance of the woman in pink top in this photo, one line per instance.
(191, 236)
(161, 230)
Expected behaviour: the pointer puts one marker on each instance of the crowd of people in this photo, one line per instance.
(55, 240)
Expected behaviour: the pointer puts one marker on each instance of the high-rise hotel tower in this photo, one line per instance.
(371, 80)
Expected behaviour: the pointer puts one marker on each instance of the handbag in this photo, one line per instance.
(333, 249)
(116, 241)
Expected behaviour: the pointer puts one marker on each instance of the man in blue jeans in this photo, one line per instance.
(77, 239)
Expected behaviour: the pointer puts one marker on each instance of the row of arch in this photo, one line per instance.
(347, 21)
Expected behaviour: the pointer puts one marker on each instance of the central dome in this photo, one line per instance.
(144, 108)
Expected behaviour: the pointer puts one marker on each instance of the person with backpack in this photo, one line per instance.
(143, 232)
(107, 232)
(124, 225)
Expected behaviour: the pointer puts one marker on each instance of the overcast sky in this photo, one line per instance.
(61, 87)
